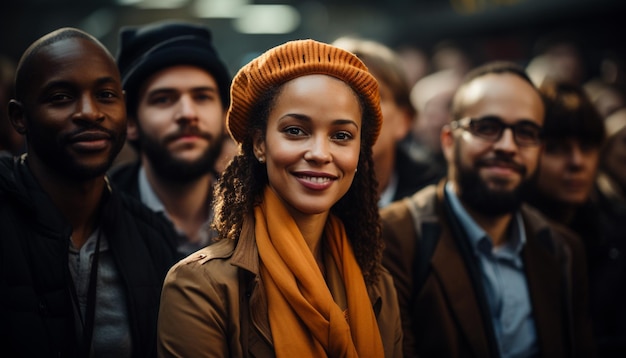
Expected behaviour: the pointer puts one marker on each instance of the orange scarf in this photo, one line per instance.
(304, 318)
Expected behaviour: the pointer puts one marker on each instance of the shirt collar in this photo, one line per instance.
(386, 197)
(478, 238)
(147, 195)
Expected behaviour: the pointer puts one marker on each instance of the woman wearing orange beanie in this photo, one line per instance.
(297, 271)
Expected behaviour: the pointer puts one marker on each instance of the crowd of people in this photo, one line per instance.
(322, 201)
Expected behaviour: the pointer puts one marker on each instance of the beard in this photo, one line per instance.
(177, 170)
(477, 195)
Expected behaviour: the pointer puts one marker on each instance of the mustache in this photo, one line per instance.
(502, 161)
(185, 132)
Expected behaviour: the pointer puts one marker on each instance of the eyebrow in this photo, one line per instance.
(493, 116)
(305, 118)
(72, 84)
(175, 90)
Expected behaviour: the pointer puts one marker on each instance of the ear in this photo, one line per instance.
(258, 145)
(16, 116)
(132, 130)
(447, 142)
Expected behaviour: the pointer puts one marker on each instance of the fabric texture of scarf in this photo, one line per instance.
(304, 318)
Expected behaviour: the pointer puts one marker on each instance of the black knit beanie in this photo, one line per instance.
(147, 49)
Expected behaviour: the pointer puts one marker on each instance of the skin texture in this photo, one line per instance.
(567, 170)
(179, 122)
(73, 114)
(311, 146)
(500, 167)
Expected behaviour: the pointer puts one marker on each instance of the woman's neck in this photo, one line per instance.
(312, 229)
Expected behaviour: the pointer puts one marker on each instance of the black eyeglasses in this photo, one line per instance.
(525, 133)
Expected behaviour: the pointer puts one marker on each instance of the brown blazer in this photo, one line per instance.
(214, 305)
(444, 318)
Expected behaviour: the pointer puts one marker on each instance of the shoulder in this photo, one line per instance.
(555, 236)
(422, 202)
(384, 285)
(211, 264)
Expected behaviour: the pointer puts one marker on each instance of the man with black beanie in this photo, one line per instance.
(177, 93)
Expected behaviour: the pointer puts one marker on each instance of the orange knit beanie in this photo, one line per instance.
(291, 60)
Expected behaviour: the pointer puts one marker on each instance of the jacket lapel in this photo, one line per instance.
(450, 269)
(545, 285)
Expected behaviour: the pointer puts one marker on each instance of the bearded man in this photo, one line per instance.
(479, 273)
(177, 92)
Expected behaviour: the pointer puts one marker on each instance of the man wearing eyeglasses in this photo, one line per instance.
(478, 273)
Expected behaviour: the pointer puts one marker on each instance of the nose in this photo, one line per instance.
(506, 142)
(186, 111)
(319, 150)
(88, 109)
(576, 157)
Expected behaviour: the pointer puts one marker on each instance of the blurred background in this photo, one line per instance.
(429, 33)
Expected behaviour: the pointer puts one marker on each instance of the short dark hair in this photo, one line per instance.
(571, 114)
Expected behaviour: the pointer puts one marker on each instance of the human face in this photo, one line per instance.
(312, 143)
(179, 122)
(567, 170)
(615, 157)
(73, 113)
(500, 168)
(396, 123)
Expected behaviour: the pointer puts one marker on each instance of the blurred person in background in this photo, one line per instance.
(570, 190)
(573, 135)
(607, 256)
(558, 57)
(415, 62)
(606, 97)
(177, 93)
(432, 98)
(398, 174)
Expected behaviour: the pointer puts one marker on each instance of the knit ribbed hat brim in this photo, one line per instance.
(291, 60)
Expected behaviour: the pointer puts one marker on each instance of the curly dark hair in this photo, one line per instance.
(240, 189)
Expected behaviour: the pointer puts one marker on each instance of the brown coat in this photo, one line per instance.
(214, 305)
(444, 318)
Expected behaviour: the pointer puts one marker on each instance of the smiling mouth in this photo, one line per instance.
(316, 180)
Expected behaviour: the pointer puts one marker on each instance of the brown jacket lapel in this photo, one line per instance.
(457, 286)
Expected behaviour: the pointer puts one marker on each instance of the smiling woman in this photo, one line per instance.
(299, 256)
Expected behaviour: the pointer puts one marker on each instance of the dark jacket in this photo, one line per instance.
(36, 310)
(125, 177)
(607, 269)
(214, 304)
(414, 175)
(445, 316)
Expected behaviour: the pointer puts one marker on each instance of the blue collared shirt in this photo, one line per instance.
(150, 199)
(504, 281)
